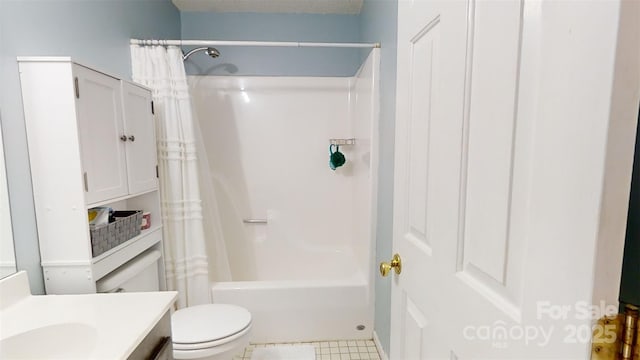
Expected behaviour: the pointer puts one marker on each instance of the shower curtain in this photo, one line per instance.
(185, 189)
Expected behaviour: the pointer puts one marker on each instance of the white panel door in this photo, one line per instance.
(486, 271)
(102, 140)
(141, 139)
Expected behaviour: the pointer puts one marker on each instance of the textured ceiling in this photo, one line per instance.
(273, 6)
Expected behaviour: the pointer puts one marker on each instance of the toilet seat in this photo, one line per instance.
(207, 326)
(213, 343)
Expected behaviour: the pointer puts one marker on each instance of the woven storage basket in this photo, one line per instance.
(108, 236)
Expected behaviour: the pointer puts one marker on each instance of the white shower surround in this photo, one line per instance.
(308, 273)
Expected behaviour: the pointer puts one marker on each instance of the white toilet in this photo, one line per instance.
(211, 331)
(205, 332)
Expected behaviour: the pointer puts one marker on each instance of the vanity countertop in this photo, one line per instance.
(94, 326)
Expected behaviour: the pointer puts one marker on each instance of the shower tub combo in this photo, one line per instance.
(299, 235)
(326, 305)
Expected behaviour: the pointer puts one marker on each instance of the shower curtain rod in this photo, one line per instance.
(251, 43)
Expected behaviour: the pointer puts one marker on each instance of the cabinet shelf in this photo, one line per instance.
(113, 258)
(121, 198)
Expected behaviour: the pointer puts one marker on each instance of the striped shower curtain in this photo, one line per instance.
(185, 240)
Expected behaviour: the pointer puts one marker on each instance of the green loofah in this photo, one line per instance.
(336, 159)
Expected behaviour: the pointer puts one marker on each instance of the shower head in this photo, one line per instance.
(213, 52)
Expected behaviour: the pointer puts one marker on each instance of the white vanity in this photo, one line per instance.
(87, 326)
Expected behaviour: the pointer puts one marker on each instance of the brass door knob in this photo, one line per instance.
(395, 263)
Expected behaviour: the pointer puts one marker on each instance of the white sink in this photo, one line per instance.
(86, 326)
(61, 341)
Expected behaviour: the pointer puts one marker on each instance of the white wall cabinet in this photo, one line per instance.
(91, 143)
(116, 136)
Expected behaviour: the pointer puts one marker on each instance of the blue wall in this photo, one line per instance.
(379, 20)
(273, 27)
(95, 33)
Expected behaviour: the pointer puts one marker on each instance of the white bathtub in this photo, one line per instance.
(305, 310)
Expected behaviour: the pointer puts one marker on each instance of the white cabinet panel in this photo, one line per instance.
(102, 145)
(141, 141)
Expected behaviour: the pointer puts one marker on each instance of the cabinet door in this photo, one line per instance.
(101, 130)
(141, 139)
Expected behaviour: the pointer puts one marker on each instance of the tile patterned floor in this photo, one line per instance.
(328, 350)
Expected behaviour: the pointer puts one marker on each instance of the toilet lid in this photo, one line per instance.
(210, 322)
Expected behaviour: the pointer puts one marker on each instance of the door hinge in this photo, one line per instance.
(157, 172)
(86, 182)
(617, 337)
(152, 109)
(77, 87)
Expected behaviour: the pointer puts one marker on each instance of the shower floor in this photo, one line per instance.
(327, 350)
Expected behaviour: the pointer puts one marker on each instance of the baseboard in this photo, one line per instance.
(376, 340)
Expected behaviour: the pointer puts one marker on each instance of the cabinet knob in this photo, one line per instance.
(123, 137)
(132, 138)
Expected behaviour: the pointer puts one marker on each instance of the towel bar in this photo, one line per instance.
(254, 221)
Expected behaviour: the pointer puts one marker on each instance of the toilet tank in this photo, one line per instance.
(137, 275)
